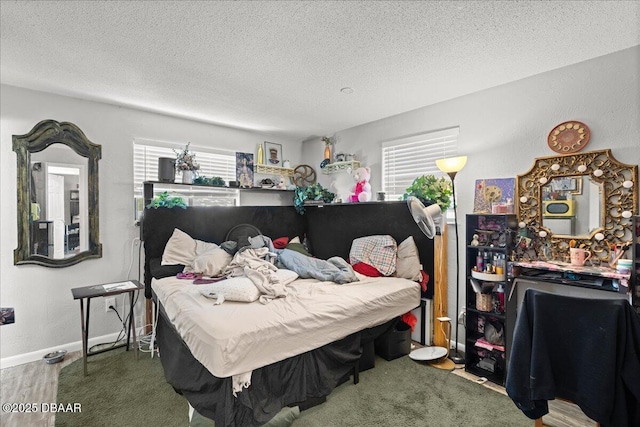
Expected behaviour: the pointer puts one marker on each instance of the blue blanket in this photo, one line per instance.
(335, 269)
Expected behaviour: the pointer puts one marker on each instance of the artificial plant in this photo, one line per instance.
(430, 189)
(165, 200)
(314, 192)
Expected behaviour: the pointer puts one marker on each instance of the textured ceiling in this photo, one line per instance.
(278, 67)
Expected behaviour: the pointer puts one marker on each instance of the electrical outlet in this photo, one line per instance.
(139, 321)
(109, 302)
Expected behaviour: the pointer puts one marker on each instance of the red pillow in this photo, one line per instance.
(281, 242)
(366, 269)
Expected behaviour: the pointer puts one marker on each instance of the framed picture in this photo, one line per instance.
(570, 184)
(244, 169)
(273, 154)
(494, 196)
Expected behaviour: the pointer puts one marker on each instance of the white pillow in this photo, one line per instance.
(203, 248)
(239, 289)
(210, 263)
(180, 249)
(408, 262)
(242, 289)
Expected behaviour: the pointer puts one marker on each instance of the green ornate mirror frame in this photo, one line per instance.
(42, 136)
(616, 187)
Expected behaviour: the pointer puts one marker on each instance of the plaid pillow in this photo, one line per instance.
(377, 251)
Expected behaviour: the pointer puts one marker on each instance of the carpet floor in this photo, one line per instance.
(120, 391)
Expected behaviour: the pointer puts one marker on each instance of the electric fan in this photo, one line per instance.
(427, 219)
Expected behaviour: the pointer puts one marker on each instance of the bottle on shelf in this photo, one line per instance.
(260, 155)
(500, 298)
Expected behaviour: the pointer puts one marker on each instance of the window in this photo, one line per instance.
(212, 163)
(405, 159)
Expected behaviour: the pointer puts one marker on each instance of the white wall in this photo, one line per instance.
(504, 128)
(46, 315)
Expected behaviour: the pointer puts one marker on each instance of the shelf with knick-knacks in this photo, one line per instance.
(335, 167)
(273, 170)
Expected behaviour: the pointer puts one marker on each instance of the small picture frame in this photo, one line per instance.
(572, 185)
(244, 169)
(272, 154)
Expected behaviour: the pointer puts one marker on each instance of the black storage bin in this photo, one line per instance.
(394, 343)
(368, 358)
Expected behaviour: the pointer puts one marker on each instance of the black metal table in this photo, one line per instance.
(94, 291)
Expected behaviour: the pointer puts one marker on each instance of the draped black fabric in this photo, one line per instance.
(292, 381)
(579, 349)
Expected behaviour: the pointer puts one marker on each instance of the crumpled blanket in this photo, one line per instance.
(251, 262)
(335, 269)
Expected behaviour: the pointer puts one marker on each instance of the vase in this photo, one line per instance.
(187, 177)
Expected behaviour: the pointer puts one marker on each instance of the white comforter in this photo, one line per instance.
(235, 338)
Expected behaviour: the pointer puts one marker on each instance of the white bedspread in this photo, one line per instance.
(235, 338)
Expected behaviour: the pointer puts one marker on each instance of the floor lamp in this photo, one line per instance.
(451, 166)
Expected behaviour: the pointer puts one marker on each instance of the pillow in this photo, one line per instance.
(210, 263)
(203, 248)
(408, 262)
(378, 251)
(366, 269)
(242, 289)
(180, 249)
(159, 271)
(295, 240)
(298, 247)
(239, 289)
(281, 242)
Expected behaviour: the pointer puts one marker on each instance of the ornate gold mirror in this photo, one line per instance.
(57, 182)
(586, 197)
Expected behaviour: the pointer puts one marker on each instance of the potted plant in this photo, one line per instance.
(313, 193)
(216, 181)
(430, 189)
(186, 163)
(165, 200)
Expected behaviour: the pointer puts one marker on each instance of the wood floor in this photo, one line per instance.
(38, 382)
(35, 382)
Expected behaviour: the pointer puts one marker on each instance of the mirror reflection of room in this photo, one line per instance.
(58, 202)
(571, 206)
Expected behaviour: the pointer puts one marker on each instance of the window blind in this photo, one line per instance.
(405, 159)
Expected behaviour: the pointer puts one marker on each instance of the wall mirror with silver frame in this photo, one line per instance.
(57, 183)
(585, 197)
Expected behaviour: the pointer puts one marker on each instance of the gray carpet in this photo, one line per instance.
(121, 391)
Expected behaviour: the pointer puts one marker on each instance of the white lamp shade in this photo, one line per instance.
(451, 164)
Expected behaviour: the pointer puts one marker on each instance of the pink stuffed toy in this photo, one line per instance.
(361, 192)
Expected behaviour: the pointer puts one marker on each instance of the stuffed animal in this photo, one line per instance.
(361, 192)
(281, 184)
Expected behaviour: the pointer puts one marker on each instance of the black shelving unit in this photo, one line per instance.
(489, 314)
(635, 270)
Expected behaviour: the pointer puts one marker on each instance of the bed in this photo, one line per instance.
(293, 350)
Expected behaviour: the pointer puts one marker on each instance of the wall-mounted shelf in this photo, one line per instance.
(335, 167)
(273, 170)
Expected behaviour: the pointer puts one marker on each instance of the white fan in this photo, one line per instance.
(427, 218)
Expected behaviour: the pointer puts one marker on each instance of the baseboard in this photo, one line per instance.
(33, 356)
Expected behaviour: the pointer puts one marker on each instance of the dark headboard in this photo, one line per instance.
(330, 229)
(211, 224)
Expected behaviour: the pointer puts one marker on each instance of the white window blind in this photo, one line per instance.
(405, 159)
(212, 163)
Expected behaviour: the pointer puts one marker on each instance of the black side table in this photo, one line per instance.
(104, 290)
